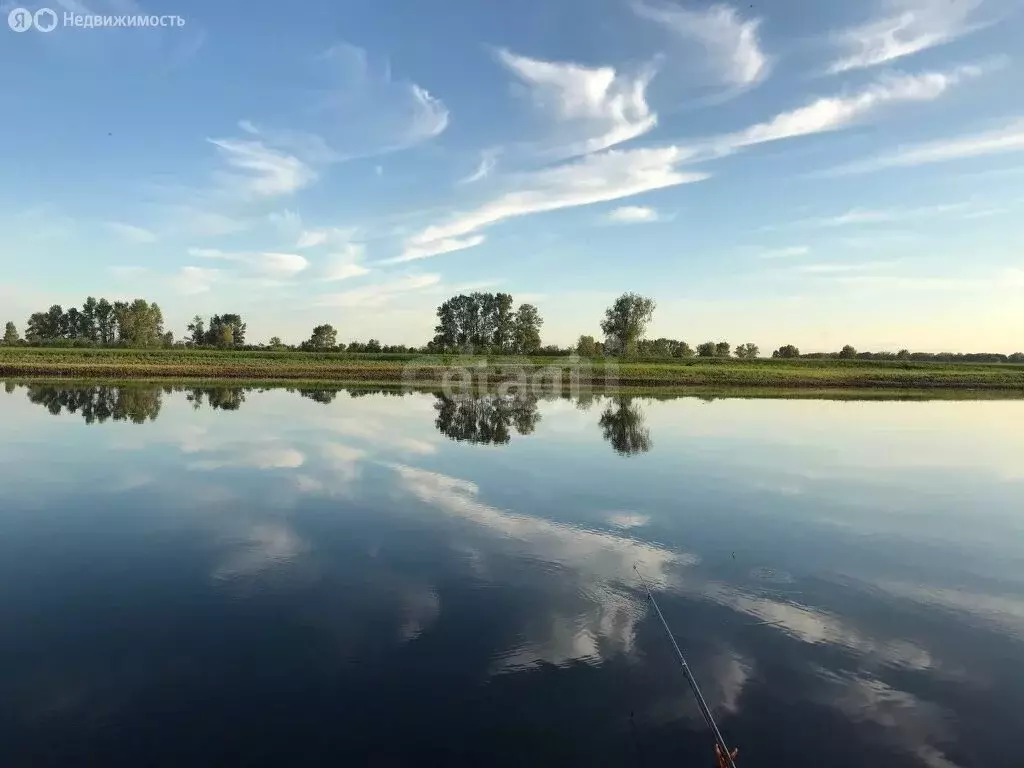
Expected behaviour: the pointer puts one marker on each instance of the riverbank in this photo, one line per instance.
(286, 367)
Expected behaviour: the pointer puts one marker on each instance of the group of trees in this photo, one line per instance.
(848, 352)
(482, 323)
(486, 323)
(225, 331)
(99, 322)
(624, 325)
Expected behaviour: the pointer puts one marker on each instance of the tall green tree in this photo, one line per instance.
(786, 351)
(526, 331)
(848, 352)
(106, 325)
(723, 349)
(197, 331)
(707, 349)
(747, 351)
(217, 336)
(323, 337)
(586, 346)
(90, 330)
(504, 323)
(73, 323)
(475, 322)
(11, 334)
(140, 324)
(625, 322)
(55, 323)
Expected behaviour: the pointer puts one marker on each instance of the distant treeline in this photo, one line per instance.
(475, 323)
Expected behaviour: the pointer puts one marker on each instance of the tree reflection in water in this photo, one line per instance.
(99, 404)
(218, 398)
(622, 425)
(485, 419)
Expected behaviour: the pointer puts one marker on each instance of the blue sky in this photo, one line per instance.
(810, 173)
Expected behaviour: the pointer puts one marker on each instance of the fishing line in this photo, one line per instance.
(724, 755)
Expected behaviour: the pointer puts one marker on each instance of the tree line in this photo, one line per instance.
(473, 323)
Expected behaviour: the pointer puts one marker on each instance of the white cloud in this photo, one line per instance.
(488, 161)
(267, 264)
(605, 555)
(834, 112)
(379, 294)
(633, 214)
(261, 170)
(439, 247)
(267, 456)
(599, 178)
(999, 141)
(730, 43)
(627, 520)
(193, 280)
(345, 270)
(909, 26)
(785, 253)
(374, 113)
(248, 127)
(132, 234)
(430, 115)
(312, 238)
(595, 108)
(858, 216)
(267, 545)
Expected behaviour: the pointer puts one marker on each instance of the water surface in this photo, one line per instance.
(216, 576)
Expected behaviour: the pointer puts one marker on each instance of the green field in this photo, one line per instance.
(423, 369)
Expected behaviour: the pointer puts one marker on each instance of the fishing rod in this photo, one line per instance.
(722, 753)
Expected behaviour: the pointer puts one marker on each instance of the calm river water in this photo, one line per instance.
(200, 576)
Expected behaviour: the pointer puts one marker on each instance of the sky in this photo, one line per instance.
(788, 172)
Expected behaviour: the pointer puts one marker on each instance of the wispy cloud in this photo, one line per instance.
(311, 238)
(633, 214)
(374, 113)
(908, 27)
(438, 247)
(344, 270)
(267, 264)
(594, 107)
(488, 161)
(259, 171)
(599, 178)
(344, 263)
(862, 216)
(379, 294)
(729, 42)
(999, 141)
(193, 280)
(835, 112)
(131, 233)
